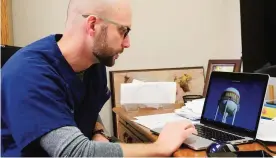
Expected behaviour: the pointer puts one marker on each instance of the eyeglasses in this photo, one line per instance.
(125, 29)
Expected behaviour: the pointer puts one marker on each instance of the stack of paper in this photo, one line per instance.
(158, 120)
(192, 110)
(267, 130)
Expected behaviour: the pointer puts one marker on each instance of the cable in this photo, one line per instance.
(265, 146)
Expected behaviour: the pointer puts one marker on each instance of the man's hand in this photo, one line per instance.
(173, 135)
(100, 138)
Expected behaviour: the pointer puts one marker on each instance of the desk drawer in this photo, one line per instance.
(134, 131)
(126, 135)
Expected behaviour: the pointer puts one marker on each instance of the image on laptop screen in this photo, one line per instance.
(236, 103)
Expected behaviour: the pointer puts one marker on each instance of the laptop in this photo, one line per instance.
(231, 111)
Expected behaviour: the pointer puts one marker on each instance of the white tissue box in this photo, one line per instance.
(147, 94)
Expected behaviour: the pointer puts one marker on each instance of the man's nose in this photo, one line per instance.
(126, 42)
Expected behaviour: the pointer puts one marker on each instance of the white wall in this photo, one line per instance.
(180, 32)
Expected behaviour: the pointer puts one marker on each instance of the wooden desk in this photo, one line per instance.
(131, 132)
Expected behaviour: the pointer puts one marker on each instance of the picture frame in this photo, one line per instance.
(231, 65)
(193, 76)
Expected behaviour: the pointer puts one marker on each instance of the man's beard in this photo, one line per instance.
(102, 51)
(104, 59)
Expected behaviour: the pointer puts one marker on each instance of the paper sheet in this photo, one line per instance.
(267, 130)
(148, 93)
(137, 81)
(196, 105)
(158, 120)
(192, 110)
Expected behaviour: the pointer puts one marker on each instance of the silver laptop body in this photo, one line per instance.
(240, 98)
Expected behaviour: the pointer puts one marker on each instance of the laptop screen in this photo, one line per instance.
(235, 101)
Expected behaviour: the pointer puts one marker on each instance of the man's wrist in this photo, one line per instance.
(159, 150)
(98, 131)
(101, 132)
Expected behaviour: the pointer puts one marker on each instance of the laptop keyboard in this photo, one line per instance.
(214, 135)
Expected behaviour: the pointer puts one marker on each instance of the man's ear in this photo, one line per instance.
(91, 25)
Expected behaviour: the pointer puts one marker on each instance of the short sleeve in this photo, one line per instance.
(34, 102)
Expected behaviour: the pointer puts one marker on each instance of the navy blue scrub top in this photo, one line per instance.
(41, 92)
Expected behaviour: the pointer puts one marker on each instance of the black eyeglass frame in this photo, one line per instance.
(126, 28)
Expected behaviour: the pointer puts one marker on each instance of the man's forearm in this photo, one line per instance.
(143, 150)
(70, 142)
(130, 150)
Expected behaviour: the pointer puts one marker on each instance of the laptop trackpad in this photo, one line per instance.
(197, 143)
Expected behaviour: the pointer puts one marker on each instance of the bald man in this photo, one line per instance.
(53, 89)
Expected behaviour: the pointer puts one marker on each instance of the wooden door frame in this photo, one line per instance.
(6, 23)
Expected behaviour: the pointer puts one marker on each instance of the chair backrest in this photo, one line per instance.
(7, 52)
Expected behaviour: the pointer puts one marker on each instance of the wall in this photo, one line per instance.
(165, 33)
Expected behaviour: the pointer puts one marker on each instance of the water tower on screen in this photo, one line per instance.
(228, 104)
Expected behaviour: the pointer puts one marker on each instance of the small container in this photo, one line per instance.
(187, 98)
